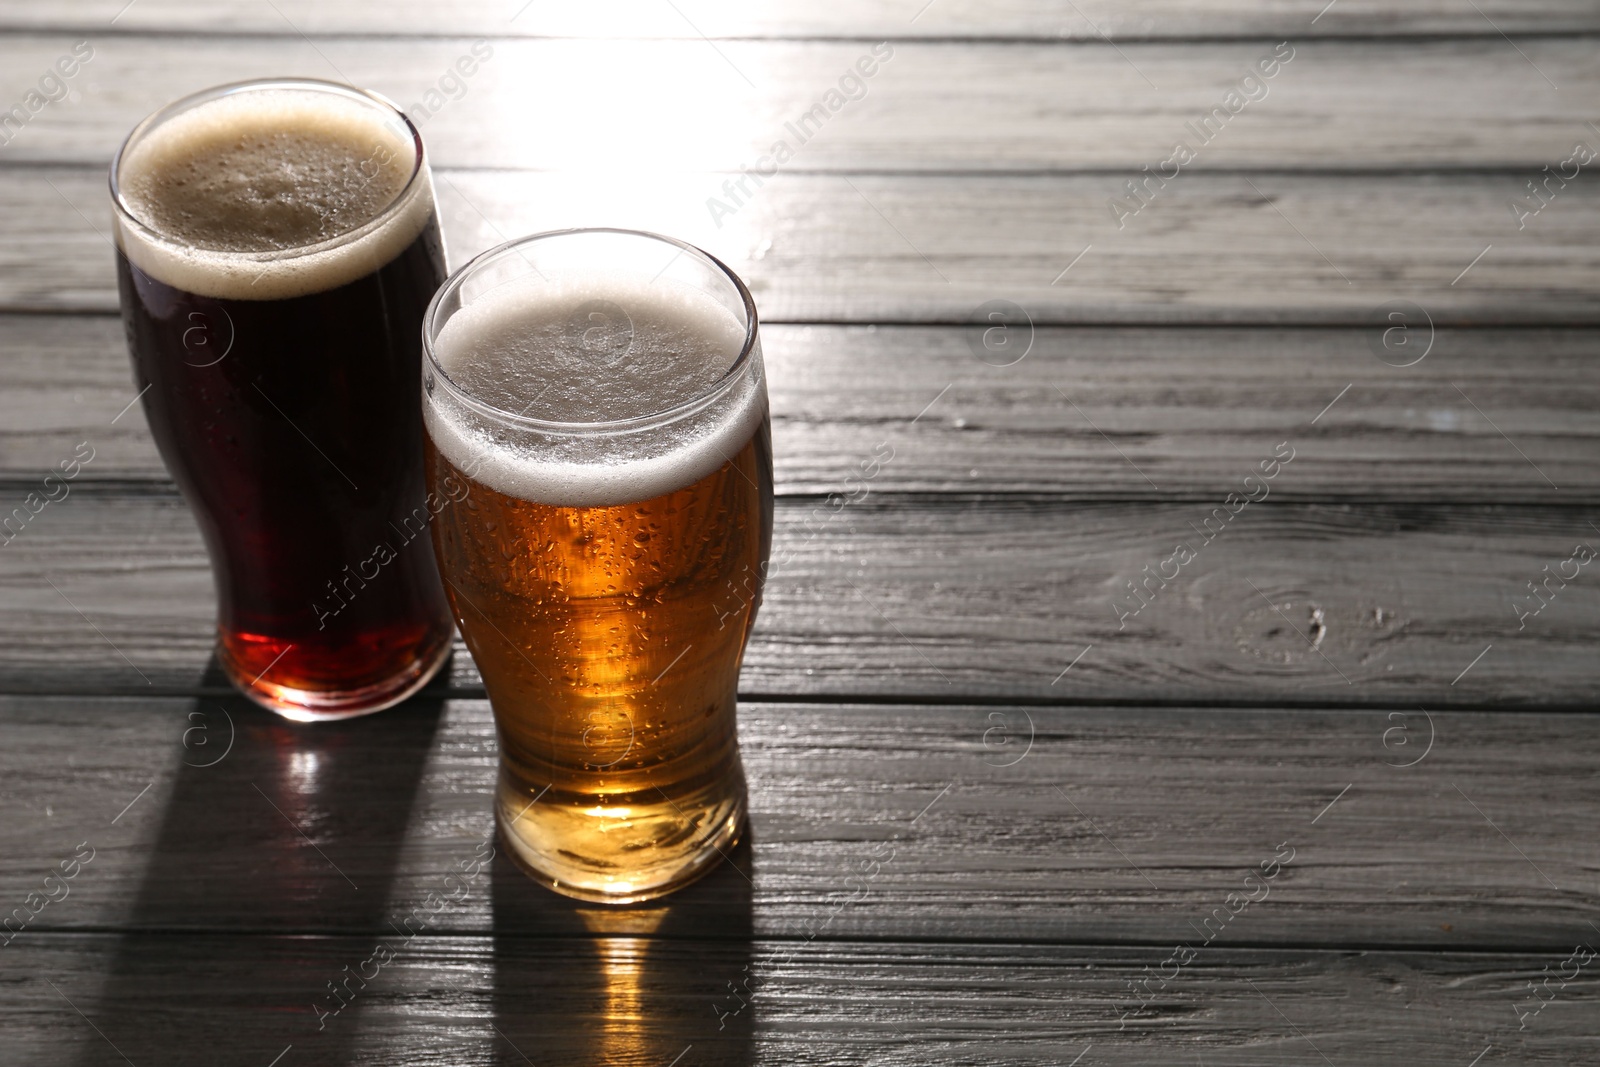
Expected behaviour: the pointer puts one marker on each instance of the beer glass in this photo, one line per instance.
(596, 415)
(276, 249)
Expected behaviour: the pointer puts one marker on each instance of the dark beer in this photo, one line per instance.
(605, 555)
(277, 248)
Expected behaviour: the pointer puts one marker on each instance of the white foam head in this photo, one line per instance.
(270, 190)
(556, 387)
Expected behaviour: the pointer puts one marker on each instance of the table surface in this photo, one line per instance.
(1321, 790)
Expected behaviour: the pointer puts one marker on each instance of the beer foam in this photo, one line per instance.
(240, 195)
(621, 348)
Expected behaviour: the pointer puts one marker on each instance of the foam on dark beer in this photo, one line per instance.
(271, 194)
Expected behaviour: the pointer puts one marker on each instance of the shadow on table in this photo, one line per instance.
(274, 829)
(271, 828)
(624, 985)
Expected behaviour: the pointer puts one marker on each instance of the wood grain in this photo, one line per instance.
(1192, 410)
(874, 248)
(622, 1000)
(678, 106)
(967, 19)
(964, 824)
(984, 809)
(952, 598)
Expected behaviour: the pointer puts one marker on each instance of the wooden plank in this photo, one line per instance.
(677, 106)
(875, 248)
(1123, 20)
(979, 597)
(966, 823)
(1192, 409)
(624, 1000)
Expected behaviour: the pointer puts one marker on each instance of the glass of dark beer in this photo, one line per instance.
(277, 246)
(596, 411)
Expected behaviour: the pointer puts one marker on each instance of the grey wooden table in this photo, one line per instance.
(1032, 783)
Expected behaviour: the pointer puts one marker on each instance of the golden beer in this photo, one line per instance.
(601, 440)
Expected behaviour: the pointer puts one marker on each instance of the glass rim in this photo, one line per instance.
(128, 217)
(671, 413)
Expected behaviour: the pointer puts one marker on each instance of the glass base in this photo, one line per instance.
(650, 850)
(324, 705)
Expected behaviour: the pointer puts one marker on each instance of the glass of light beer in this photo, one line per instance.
(277, 247)
(596, 413)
